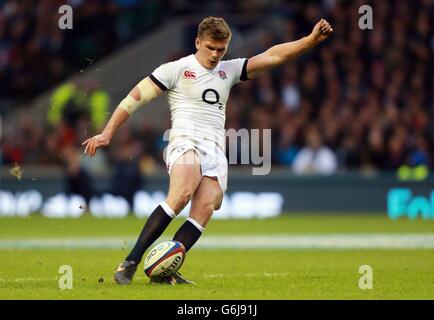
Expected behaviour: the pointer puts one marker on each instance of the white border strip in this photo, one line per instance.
(319, 241)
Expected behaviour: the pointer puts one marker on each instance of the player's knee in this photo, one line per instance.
(218, 203)
(181, 200)
(208, 207)
(218, 199)
(203, 213)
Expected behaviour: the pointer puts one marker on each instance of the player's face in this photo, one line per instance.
(211, 51)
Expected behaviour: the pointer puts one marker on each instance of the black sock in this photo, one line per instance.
(187, 234)
(154, 227)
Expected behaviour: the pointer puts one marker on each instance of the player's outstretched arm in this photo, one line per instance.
(285, 52)
(145, 91)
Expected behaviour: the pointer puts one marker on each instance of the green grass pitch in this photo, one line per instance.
(221, 273)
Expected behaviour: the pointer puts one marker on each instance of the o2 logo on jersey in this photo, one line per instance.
(211, 96)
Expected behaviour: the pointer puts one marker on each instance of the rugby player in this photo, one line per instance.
(197, 89)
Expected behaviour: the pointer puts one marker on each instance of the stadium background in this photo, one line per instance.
(362, 100)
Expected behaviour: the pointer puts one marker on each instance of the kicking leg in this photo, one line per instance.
(206, 199)
(184, 179)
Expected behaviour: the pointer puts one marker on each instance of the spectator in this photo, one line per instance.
(79, 99)
(314, 158)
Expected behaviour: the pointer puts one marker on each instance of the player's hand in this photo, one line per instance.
(92, 144)
(321, 31)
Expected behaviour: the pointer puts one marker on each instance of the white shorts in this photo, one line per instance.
(213, 161)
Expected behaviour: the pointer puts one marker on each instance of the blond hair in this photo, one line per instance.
(214, 27)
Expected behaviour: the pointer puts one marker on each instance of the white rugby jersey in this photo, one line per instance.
(197, 96)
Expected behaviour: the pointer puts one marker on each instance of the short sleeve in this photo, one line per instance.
(238, 68)
(165, 75)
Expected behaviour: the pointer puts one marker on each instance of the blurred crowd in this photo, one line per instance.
(36, 54)
(361, 100)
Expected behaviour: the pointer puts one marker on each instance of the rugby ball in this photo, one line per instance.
(164, 259)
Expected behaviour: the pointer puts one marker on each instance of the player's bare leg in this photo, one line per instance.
(185, 177)
(206, 199)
